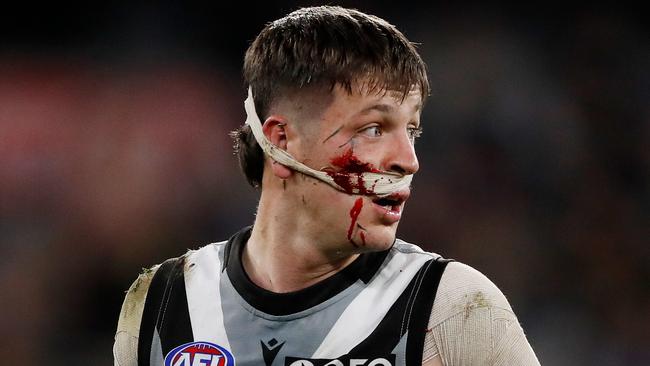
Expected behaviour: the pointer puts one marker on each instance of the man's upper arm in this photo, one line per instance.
(433, 362)
(125, 348)
(472, 323)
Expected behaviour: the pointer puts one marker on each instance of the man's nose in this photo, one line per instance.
(401, 156)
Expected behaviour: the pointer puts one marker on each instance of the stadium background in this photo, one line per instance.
(535, 162)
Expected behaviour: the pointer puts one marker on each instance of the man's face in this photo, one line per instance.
(356, 132)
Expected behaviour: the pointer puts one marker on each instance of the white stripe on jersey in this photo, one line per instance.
(373, 302)
(156, 355)
(204, 297)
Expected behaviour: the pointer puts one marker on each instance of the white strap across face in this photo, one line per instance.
(376, 184)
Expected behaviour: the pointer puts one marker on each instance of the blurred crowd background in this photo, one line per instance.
(535, 162)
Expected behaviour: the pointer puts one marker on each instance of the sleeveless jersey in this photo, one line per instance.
(202, 310)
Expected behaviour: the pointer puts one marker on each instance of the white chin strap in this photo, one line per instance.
(376, 184)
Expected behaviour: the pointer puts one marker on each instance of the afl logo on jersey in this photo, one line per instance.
(199, 354)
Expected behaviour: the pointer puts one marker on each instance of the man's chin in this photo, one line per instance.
(379, 240)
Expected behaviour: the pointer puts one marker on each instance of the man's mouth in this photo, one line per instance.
(391, 206)
(389, 203)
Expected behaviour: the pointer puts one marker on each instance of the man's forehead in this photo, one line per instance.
(373, 88)
(369, 98)
(312, 102)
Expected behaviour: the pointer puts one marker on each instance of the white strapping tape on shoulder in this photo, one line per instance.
(379, 184)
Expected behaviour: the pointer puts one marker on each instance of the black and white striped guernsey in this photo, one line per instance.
(372, 313)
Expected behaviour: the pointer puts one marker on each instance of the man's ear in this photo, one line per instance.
(274, 130)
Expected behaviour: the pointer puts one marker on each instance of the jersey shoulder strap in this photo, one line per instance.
(425, 294)
(410, 313)
(159, 333)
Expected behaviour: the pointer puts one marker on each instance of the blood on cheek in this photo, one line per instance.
(349, 173)
(354, 215)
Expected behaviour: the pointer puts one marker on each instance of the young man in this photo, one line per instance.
(320, 279)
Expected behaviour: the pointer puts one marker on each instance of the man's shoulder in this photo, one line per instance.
(471, 322)
(464, 289)
(136, 295)
(133, 305)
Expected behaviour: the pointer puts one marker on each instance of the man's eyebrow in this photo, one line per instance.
(381, 107)
(385, 108)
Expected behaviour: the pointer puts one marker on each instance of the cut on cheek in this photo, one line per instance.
(333, 134)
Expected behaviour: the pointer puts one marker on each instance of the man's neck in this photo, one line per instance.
(284, 256)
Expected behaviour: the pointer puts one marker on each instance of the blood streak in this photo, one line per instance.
(349, 175)
(363, 237)
(354, 215)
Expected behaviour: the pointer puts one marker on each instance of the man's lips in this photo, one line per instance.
(390, 207)
(394, 200)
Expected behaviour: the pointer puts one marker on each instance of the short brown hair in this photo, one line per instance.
(324, 45)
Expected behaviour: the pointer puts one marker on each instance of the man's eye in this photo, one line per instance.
(415, 132)
(372, 131)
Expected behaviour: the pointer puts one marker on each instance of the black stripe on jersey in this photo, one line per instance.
(155, 294)
(418, 322)
(238, 236)
(409, 313)
(166, 295)
(176, 329)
